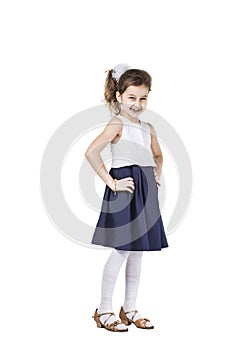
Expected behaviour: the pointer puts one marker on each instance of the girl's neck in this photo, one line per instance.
(133, 120)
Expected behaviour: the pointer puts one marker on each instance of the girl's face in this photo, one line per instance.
(133, 101)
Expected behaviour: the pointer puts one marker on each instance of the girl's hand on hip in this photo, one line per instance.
(126, 184)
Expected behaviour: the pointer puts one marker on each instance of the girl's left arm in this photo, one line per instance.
(157, 153)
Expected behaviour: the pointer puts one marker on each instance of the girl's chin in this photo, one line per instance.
(135, 114)
(131, 113)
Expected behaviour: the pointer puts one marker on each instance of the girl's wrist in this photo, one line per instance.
(158, 171)
(112, 185)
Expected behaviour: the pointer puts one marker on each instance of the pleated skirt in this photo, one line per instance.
(131, 221)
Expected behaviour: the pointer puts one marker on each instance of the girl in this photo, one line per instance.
(130, 220)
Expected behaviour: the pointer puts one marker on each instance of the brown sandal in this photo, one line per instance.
(140, 323)
(110, 327)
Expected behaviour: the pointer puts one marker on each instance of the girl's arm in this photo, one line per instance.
(92, 153)
(156, 150)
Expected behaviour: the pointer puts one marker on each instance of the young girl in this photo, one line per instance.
(130, 220)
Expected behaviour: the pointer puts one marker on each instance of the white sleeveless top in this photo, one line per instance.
(134, 145)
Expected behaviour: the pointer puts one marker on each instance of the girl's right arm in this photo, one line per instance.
(92, 153)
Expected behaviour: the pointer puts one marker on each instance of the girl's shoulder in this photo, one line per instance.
(152, 130)
(115, 119)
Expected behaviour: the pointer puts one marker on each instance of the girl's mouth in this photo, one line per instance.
(135, 110)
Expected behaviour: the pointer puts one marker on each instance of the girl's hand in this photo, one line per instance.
(126, 184)
(157, 178)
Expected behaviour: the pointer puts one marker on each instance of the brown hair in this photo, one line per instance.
(132, 77)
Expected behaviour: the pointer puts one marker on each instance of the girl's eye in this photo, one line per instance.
(131, 97)
(143, 98)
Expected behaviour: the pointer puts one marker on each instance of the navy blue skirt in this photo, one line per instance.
(131, 221)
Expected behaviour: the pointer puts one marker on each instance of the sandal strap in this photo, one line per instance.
(106, 321)
(106, 313)
(134, 313)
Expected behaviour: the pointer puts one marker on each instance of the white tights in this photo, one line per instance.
(132, 278)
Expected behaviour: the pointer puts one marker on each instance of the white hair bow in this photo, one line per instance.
(118, 70)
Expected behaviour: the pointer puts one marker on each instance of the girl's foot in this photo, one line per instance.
(128, 317)
(109, 321)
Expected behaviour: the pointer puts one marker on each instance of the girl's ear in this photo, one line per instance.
(118, 96)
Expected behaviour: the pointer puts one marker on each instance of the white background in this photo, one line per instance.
(53, 58)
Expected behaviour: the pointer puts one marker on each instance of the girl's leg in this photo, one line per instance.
(132, 279)
(110, 273)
